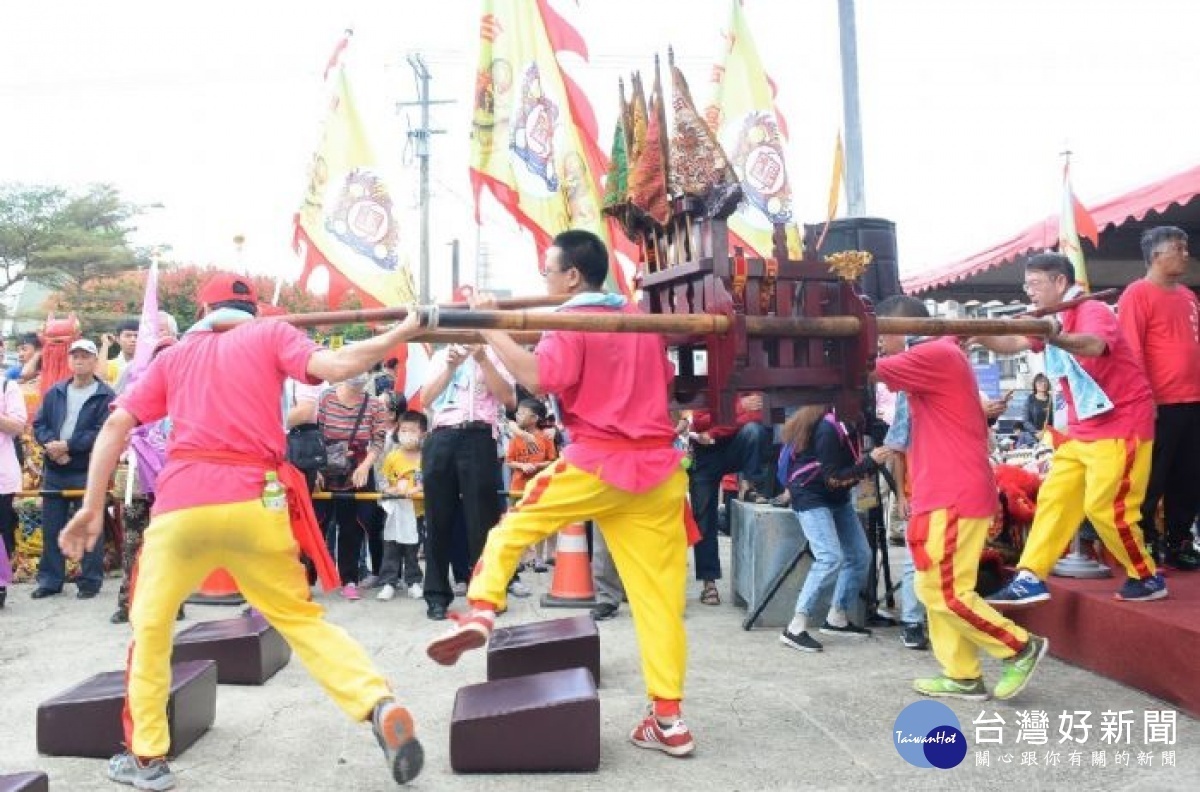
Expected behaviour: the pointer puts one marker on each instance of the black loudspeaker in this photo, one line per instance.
(872, 234)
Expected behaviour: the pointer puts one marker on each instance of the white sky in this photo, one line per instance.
(213, 109)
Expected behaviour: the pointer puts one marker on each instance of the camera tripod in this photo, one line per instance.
(875, 526)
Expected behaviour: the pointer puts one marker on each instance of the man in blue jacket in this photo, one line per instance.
(66, 426)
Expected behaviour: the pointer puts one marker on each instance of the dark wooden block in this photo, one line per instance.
(247, 650)
(544, 646)
(86, 720)
(546, 722)
(25, 782)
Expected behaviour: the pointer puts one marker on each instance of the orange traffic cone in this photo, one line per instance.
(218, 588)
(572, 586)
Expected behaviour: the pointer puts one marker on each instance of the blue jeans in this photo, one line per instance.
(710, 464)
(911, 609)
(839, 546)
(52, 570)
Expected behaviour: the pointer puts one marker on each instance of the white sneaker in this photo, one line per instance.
(519, 589)
(386, 593)
(415, 591)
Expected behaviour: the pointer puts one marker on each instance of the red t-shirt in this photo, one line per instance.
(702, 420)
(948, 452)
(1163, 327)
(612, 387)
(223, 393)
(1117, 372)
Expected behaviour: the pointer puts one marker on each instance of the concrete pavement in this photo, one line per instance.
(765, 717)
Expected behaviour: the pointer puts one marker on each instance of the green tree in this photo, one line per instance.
(68, 242)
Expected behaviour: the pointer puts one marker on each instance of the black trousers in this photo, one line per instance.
(460, 470)
(1174, 473)
(355, 521)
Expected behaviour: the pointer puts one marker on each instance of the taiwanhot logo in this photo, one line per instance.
(928, 734)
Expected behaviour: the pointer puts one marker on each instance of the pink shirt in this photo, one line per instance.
(1118, 373)
(612, 389)
(12, 406)
(948, 452)
(222, 392)
(468, 397)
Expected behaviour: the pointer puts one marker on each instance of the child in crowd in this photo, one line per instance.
(401, 533)
(530, 452)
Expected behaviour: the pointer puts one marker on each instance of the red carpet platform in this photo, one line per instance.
(1151, 646)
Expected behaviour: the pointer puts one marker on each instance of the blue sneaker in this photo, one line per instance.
(1144, 590)
(1021, 591)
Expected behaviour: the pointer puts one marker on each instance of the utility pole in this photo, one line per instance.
(420, 137)
(856, 199)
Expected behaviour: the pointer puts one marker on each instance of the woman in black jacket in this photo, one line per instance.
(821, 464)
(1039, 406)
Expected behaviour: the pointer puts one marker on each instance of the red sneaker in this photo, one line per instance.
(675, 739)
(471, 631)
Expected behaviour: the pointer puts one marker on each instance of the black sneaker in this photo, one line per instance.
(604, 611)
(853, 630)
(1183, 559)
(120, 616)
(802, 641)
(915, 638)
(1145, 590)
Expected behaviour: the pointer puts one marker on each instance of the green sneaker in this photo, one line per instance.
(945, 687)
(1020, 667)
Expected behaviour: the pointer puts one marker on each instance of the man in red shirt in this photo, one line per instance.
(716, 452)
(620, 469)
(213, 509)
(1161, 321)
(953, 500)
(1100, 471)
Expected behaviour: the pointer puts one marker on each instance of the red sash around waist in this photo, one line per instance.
(617, 444)
(305, 528)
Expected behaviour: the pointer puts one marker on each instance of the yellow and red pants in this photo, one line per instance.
(645, 534)
(1105, 481)
(946, 550)
(257, 548)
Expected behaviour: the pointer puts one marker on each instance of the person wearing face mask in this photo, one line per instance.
(347, 415)
(401, 533)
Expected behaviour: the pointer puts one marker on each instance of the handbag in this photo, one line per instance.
(306, 447)
(339, 459)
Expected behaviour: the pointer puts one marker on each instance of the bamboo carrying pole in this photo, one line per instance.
(449, 324)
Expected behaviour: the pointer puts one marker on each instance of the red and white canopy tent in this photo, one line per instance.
(996, 273)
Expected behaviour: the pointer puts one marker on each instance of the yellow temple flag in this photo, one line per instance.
(836, 178)
(742, 113)
(347, 221)
(534, 143)
(1073, 219)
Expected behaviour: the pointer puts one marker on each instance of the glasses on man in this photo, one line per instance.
(1033, 285)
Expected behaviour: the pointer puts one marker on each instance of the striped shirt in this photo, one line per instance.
(337, 421)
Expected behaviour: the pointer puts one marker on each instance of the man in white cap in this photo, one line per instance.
(66, 426)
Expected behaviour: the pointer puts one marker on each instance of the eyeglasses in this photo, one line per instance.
(1178, 247)
(547, 271)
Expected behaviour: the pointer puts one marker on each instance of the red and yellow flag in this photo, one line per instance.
(1073, 221)
(534, 137)
(648, 177)
(347, 222)
(743, 115)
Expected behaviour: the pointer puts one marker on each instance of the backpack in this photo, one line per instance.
(787, 456)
